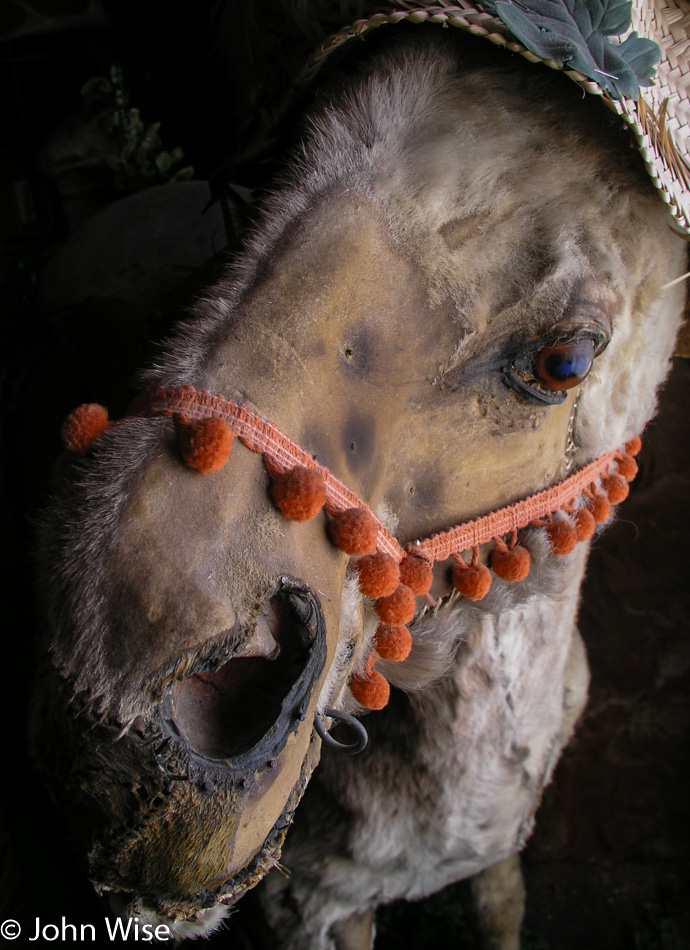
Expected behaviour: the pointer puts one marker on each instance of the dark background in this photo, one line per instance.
(608, 866)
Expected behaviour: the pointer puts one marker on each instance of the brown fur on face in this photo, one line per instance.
(441, 223)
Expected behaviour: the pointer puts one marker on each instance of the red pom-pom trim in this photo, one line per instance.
(563, 537)
(83, 426)
(299, 494)
(354, 531)
(472, 581)
(512, 564)
(633, 446)
(393, 642)
(627, 467)
(416, 573)
(585, 524)
(616, 488)
(372, 691)
(398, 607)
(600, 507)
(204, 444)
(379, 574)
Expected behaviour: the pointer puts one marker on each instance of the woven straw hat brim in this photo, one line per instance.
(659, 118)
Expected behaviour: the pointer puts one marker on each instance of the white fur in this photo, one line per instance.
(349, 641)
(206, 922)
(490, 753)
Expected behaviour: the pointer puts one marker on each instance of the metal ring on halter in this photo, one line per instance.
(351, 748)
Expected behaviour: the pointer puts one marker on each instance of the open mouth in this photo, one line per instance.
(246, 705)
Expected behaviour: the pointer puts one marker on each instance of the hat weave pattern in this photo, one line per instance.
(661, 116)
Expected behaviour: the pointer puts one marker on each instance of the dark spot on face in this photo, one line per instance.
(359, 435)
(358, 353)
(425, 495)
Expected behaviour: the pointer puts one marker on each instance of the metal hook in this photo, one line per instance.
(351, 748)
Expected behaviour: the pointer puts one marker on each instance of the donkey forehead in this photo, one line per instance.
(476, 173)
(544, 227)
(349, 278)
(442, 199)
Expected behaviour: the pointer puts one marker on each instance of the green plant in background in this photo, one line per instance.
(443, 919)
(657, 932)
(137, 157)
(530, 941)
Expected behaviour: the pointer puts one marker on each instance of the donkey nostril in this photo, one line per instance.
(301, 606)
(223, 713)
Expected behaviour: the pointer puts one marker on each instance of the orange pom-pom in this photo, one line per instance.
(585, 524)
(563, 537)
(627, 467)
(398, 607)
(416, 574)
(83, 426)
(372, 692)
(511, 565)
(379, 574)
(616, 488)
(300, 493)
(204, 444)
(354, 531)
(633, 446)
(472, 581)
(600, 507)
(393, 642)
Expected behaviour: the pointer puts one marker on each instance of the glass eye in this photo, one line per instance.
(564, 365)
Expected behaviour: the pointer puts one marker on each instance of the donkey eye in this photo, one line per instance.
(564, 365)
(545, 374)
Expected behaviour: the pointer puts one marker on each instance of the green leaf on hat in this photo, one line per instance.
(575, 34)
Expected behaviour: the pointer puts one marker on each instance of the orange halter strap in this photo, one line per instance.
(388, 573)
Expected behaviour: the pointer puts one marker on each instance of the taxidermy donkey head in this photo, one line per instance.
(456, 299)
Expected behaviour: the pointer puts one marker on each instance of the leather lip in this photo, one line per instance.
(293, 707)
(232, 890)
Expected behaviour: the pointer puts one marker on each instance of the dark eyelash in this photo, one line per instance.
(531, 386)
(519, 372)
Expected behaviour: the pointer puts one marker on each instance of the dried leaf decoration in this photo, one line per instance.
(575, 34)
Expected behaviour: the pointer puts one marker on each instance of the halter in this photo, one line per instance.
(392, 575)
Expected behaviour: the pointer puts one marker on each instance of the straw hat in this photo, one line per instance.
(645, 83)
